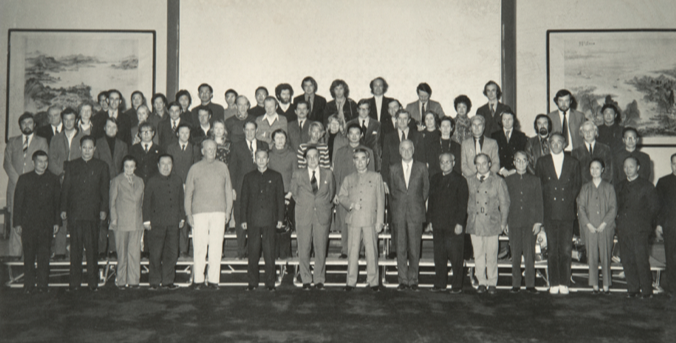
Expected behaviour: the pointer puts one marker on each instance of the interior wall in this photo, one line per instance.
(454, 46)
(80, 14)
(535, 17)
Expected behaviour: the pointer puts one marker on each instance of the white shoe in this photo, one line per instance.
(563, 289)
(554, 290)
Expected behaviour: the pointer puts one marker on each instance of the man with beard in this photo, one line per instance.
(284, 93)
(538, 146)
(567, 120)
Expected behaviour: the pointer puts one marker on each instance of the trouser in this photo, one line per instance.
(163, 244)
(60, 242)
(599, 246)
(36, 242)
(184, 239)
(409, 238)
(486, 259)
(636, 259)
(84, 234)
(448, 246)
(106, 239)
(393, 229)
(241, 233)
(312, 235)
(522, 242)
(371, 249)
(340, 224)
(15, 245)
(128, 245)
(670, 252)
(559, 247)
(261, 236)
(283, 239)
(208, 232)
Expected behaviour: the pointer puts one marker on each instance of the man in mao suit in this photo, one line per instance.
(313, 190)
(424, 104)
(362, 194)
(370, 129)
(560, 177)
(299, 129)
(316, 103)
(666, 223)
(566, 114)
(18, 160)
(493, 109)
(476, 145)
(409, 189)
(378, 104)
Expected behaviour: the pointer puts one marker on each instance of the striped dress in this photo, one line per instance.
(324, 161)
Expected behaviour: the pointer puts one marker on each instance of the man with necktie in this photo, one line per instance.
(567, 120)
(370, 130)
(478, 144)
(166, 129)
(316, 103)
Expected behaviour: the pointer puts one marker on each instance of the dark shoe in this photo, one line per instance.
(133, 287)
(251, 288)
(375, 289)
(456, 290)
(43, 290)
(172, 287)
(102, 256)
(145, 255)
(481, 289)
(606, 292)
(342, 256)
(362, 256)
(196, 286)
(213, 286)
(402, 287)
(595, 292)
(437, 289)
(348, 288)
(392, 256)
(632, 295)
(59, 257)
(319, 286)
(112, 254)
(272, 289)
(73, 289)
(121, 288)
(647, 296)
(154, 287)
(515, 290)
(492, 290)
(307, 286)
(531, 290)
(415, 288)
(94, 289)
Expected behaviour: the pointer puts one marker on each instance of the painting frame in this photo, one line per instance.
(582, 60)
(46, 66)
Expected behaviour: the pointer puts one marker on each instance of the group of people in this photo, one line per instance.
(123, 182)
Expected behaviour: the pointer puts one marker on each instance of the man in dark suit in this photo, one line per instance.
(493, 109)
(666, 223)
(36, 218)
(166, 129)
(378, 104)
(409, 189)
(84, 203)
(235, 124)
(316, 103)
(55, 125)
(163, 216)
(567, 120)
(202, 128)
(593, 149)
(262, 210)
(538, 146)
(313, 190)
(424, 104)
(206, 93)
(447, 216)
(284, 93)
(242, 161)
(111, 149)
(560, 177)
(123, 121)
(146, 153)
(299, 129)
(510, 140)
(370, 130)
(631, 139)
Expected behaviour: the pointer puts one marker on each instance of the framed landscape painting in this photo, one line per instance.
(633, 69)
(68, 67)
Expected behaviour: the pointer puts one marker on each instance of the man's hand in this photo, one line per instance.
(379, 227)
(18, 229)
(63, 215)
(505, 229)
(56, 229)
(601, 227)
(536, 228)
(191, 221)
(181, 224)
(103, 215)
(429, 228)
(244, 226)
(591, 228)
(147, 226)
(458, 229)
(280, 224)
(387, 189)
(234, 195)
(336, 201)
(659, 231)
(356, 206)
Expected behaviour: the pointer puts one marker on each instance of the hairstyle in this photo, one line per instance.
(39, 153)
(407, 141)
(231, 91)
(205, 85)
(484, 155)
(549, 122)
(557, 134)
(478, 118)
(354, 126)
(638, 163)
(181, 93)
(337, 83)
(115, 91)
(302, 101)
(618, 118)
(277, 132)
(270, 98)
(146, 124)
(447, 153)
(316, 124)
(434, 115)
(56, 107)
(68, 111)
(248, 103)
(362, 150)
(629, 128)
(308, 148)
(83, 105)
(522, 153)
(564, 92)
(165, 155)
(182, 125)
(261, 88)
(212, 132)
(448, 119)
(205, 109)
(385, 85)
(87, 138)
(102, 93)
(249, 122)
(497, 86)
(26, 115)
(310, 79)
(341, 122)
(143, 97)
(394, 100)
(589, 123)
(462, 99)
(672, 157)
(112, 120)
(599, 160)
(364, 101)
(175, 103)
(129, 158)
(400, 111)
(424, 87)
(282, 87)
(267, 154)
(207, 140)
(144, 106)
(160, 96)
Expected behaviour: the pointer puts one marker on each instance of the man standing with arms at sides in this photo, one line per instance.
(18, 154)
(163, 217)
(231, 100)
(447, 216)
(167, 128)
(363, 195)
(342, 167)
(316, 103)
(409, 190)
(262, 210)
(538, 145)
(637, 205)
(299, 128)
(567, 120)
(36, 219)
(492, 110)
(559, 174)
(208, 204)
(260, 96)
(666, 223)
(84, 203)
(235, 125)
(379, 103)
(313, 190)
(284, 93)
(479, 144)
(631, 139)
(55, 125)
(270, 121)
(206, 93)
(370, 130)
(242, 161)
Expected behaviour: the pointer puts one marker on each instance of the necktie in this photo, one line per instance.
(422, 114)
(173, 125)
(301, 124)
(182, 147)
(545, 147)
(477, 145)
(309, 104)
(25, 146)
(56, 129)
(145, 147)
(253, 156)
(508, 135)
(564, 127)
(363, 126)
(482, 178)
(591, 150)
(313, 182)
(403, 136)
(493, 109)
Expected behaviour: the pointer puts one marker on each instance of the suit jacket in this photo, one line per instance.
(535, 149)
(298, 136)
(601, 151)
(371, 138)
(349, 110)
(408, 204)
(36, 201)
(488, 205)
(163, 200)
(262, 198)
(311, 207)
(414, 109)
(489, 147)
(318, 105)
(197, 135)
(493, 122)
(123, 126)
(126, 202)
(447, 205)
(146, 162)
(114, 163)
(559, 194)
(59, 152)
(217, 110)
(575, 120)
(666, 189)
(384, 114)
(17, 163)
(506, 150)
(165, 134)
(241, 162)
(391, 151)
(368, 191)
(47, 132)
(183, 160)
(84, 193)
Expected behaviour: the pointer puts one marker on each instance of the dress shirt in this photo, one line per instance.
(271, 120)
(558, 163)
(316, 171)
(56, 129)
(478, 143)
(508, 134)
(420, 108)
(30, 139)
(112, 114)
(147, 145)
(407, 170)
(70, 136)
(206, 129)
(365, 122)
(485, 176)
(379, 104)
